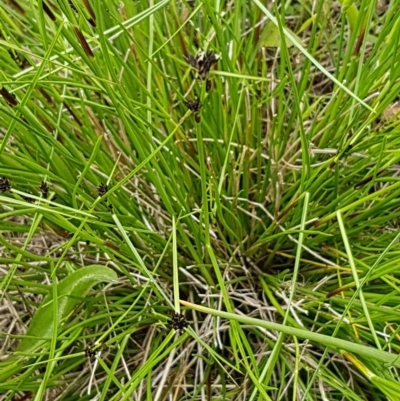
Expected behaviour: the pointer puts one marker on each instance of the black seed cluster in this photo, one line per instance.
(5, 184)
(90, 354)
(178, 321)
(203, 62)
(193, 105)
(102, 189)
(44, 189)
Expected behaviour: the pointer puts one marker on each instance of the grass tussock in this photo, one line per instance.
(235, 165)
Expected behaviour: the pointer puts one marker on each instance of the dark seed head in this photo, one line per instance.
(178, 321)
(44, 189)
(102, 189)
(203, 62)
(192, 60)
(90, 354)
(193, 105)
(5, 184)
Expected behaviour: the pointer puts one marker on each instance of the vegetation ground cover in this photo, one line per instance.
(199, 200)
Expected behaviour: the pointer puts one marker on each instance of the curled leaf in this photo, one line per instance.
(70, 292)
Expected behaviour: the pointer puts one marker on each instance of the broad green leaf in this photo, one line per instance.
(271, 37)
(70, 291)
